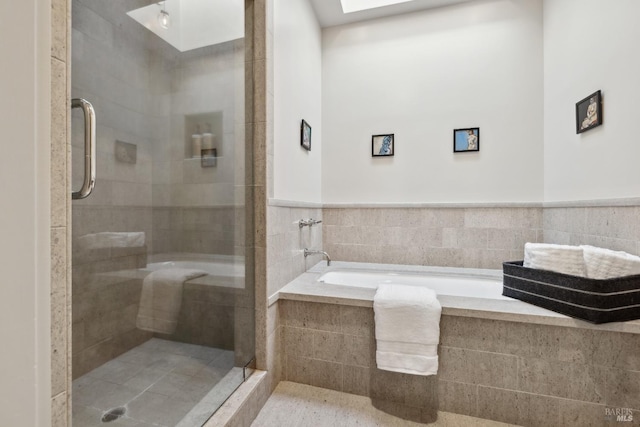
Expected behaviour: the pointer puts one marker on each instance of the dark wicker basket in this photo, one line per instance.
(593, 300)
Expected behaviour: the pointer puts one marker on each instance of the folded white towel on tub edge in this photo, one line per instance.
(407, 329)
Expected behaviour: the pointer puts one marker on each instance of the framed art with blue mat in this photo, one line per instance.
(382, 145)
(465, 140)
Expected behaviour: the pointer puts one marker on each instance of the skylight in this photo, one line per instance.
(193, 23)
(349, 6)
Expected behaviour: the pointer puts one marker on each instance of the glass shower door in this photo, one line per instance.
(162, 308)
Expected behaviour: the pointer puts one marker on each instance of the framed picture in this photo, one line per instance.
(589, 112)
(209, 157)
(305, 135)
(382, 145)
(466, 140)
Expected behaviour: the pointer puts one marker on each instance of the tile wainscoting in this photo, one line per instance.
(473, 237)
(612, 227)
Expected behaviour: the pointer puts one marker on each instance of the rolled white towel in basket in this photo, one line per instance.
(606, 264)
(559, 258)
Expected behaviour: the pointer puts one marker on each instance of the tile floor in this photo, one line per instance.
(299, 405)
(159, 383)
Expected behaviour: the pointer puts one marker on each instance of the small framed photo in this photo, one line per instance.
(467, 139)
(382, 145)
(209, 157)
(589, 112)
(305, 135)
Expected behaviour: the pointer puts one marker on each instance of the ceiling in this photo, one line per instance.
(329, 12)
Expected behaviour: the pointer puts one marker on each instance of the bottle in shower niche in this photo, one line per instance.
(207, 138)
(196, 143)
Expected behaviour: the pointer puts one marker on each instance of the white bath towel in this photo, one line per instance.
(559, 258)
(109, 239)
(161, 299)
(606, 264)
(407, 325)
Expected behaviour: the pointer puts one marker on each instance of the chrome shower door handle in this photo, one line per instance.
(89, 148)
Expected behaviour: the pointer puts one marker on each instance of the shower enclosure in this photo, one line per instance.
(163, 328)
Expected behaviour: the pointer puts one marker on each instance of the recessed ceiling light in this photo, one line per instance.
(349, 6)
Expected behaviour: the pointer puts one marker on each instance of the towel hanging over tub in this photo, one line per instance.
(161, 299)
(407, 325)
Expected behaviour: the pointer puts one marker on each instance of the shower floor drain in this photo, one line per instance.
(113, 414)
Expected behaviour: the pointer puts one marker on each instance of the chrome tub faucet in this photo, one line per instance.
(308, 252)
(308, 222)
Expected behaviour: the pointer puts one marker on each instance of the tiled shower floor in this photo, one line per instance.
(158, 382)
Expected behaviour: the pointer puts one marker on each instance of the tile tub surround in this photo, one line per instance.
(471, 236)
(612, 227)
(286, 241)
(533, 368)
(285, 261)
(307, 288)
(475, 236)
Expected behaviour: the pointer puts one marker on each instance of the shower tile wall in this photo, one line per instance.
(195, 206)
(145, 93)
(452, 237)
(111, 70)
(206, 230)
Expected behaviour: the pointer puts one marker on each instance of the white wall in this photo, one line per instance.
(420, 76)
(25, 372)
(590, 45)
(297, 96)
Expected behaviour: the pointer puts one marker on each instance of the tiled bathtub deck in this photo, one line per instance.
(158, 383)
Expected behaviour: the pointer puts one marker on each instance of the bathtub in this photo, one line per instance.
(463, 292)
(454, 284)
